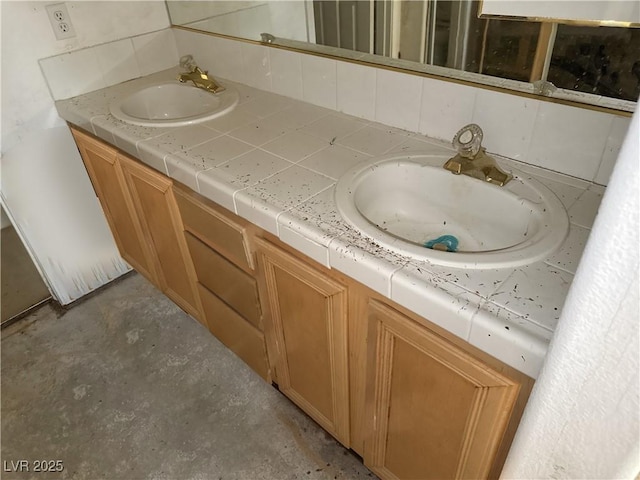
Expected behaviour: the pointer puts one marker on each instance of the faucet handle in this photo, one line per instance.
(468, 140)
(187, 62)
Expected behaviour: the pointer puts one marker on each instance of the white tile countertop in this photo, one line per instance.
(275, 161)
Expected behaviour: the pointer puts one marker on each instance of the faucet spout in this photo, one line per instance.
(472, 159)
(482, 166)
(199, 78)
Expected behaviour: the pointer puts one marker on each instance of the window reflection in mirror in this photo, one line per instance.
(600, 60)
(457, 38)
(508, 48)
(443, 33)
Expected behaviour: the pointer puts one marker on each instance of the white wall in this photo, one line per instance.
(27, 37)
(44, 185)
(582, 420)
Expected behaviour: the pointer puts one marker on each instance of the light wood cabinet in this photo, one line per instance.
(203, 263)
(306, 321)
(112, 191)
(143, 216)
(218, 242)
(156, 206)
(437, 412)
(415, 401)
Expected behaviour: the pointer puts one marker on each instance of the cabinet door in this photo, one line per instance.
(437, 412)
(110, 186)
(306, 319)
(153, 198)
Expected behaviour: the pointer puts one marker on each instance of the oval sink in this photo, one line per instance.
(173, 104)
(406, 202)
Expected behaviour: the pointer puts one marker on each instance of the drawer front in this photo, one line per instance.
(210, 225)
(236, 333)
(234, 286)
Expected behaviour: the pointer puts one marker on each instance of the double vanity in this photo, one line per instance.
(406, 309)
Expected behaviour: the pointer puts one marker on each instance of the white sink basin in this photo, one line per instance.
(403, 202)
(173, 104)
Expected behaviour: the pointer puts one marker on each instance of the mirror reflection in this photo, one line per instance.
(602, 61)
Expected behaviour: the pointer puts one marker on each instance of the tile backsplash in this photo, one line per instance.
(88, 69)
(571, 140)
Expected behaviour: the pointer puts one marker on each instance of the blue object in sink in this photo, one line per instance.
(446, 243)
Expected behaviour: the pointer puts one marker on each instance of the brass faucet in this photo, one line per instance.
(472, 159)
(199, 78)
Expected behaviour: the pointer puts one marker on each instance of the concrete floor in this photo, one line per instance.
(125, 385)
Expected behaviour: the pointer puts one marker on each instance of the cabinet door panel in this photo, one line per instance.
(307, 312)
(438, 412)
(110, 186)
(154, 199)
(304, 313)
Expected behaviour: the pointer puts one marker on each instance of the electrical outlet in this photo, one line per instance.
(60, 21)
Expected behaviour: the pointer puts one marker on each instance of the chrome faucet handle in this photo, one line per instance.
(468, 140)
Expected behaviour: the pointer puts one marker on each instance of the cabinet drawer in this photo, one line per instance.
(234, 286)
(236, 333)
(215, 228)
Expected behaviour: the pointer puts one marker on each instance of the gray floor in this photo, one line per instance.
(126, 386)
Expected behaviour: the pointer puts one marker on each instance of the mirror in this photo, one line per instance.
(584, 63)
